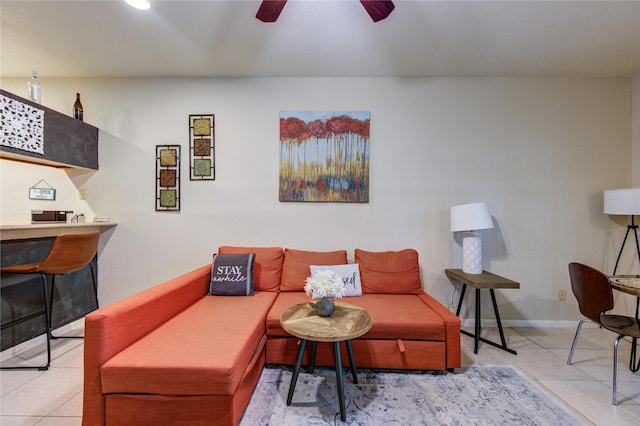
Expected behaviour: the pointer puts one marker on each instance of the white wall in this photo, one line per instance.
(539, 152)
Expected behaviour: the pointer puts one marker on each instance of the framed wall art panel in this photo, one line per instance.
(324, 156)
(202, 164)
(167, 177)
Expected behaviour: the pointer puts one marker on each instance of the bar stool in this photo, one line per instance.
(69, 253)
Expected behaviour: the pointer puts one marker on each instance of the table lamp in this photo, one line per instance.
(625, 201)
(469, 218)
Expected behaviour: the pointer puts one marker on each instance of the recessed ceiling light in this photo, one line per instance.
(139, 4)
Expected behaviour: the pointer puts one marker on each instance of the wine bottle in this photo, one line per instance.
(78, 112)
(34, 87)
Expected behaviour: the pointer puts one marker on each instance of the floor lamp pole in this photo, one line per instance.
(633, 227)
(634, 364)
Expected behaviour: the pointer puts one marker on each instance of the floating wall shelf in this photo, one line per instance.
(68, 143)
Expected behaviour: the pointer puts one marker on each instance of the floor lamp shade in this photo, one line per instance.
(469, 218)
(624, 201)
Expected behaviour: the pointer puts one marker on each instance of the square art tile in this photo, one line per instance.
(201, 147)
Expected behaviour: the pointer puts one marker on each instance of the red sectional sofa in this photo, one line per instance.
(173, 355)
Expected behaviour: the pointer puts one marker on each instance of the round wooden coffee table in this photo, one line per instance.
(347, 322)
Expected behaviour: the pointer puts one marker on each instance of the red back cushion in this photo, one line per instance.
(395, 272)
(295, 269)
(267, 268)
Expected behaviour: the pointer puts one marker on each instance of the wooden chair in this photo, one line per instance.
(593, 291)
(69, 253)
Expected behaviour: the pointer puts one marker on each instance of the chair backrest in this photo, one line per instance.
(70, 252)
(592, 289)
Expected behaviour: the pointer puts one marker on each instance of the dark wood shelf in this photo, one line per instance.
(68, 142)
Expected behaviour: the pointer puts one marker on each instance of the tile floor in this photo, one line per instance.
(54, 397)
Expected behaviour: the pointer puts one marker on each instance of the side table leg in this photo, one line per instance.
(340, 380)
(312, 357)
(478, 328)
(296, 370)
(495, 309)
(502, 339)
(464, 288)
(352, 361)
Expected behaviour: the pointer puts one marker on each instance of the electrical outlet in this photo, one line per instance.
(82, 193)
(562, 295)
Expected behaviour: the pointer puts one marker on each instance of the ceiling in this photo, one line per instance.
(320, 39)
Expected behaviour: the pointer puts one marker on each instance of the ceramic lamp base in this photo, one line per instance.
(472, 253)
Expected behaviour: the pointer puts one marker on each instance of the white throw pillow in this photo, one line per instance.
(350, 274)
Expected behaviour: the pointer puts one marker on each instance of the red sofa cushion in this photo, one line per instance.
(295, 268)
(267, 268)
(389, 272)
(221, 335)
(394, 316)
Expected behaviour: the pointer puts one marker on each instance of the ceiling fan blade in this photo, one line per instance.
(269, 10)
(378, 9)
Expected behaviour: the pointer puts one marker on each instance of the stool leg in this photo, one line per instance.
(53, 288)
(95, 286)
(47, 322)
(46, 325)
(95, 294)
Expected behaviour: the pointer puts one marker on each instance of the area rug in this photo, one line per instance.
(484, 395)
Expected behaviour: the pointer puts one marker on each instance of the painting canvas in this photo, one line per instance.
(324, 156)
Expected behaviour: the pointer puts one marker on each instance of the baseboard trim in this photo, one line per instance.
(30, 344)
(524, 323)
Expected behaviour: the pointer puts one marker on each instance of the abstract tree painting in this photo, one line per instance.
(324, 156)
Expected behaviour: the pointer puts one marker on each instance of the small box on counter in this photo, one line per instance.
(49, 215)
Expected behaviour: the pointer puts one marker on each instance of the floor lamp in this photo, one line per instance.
(624, 201)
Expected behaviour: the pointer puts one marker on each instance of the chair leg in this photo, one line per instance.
(47, 328)
(575, 340)
(615, 369)
(95, 295)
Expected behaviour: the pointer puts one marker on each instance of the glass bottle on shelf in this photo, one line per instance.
(34, 87)
(78, 112)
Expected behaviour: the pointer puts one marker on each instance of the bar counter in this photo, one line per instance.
(50, 229)
(21, 295)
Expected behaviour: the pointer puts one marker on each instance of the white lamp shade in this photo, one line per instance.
(470, 217)
(624, 201)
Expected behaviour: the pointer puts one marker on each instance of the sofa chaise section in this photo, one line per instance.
(173, 355)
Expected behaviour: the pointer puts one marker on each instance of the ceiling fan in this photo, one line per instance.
(269, 10)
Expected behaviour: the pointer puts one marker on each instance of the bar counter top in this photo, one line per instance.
(50, 229)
